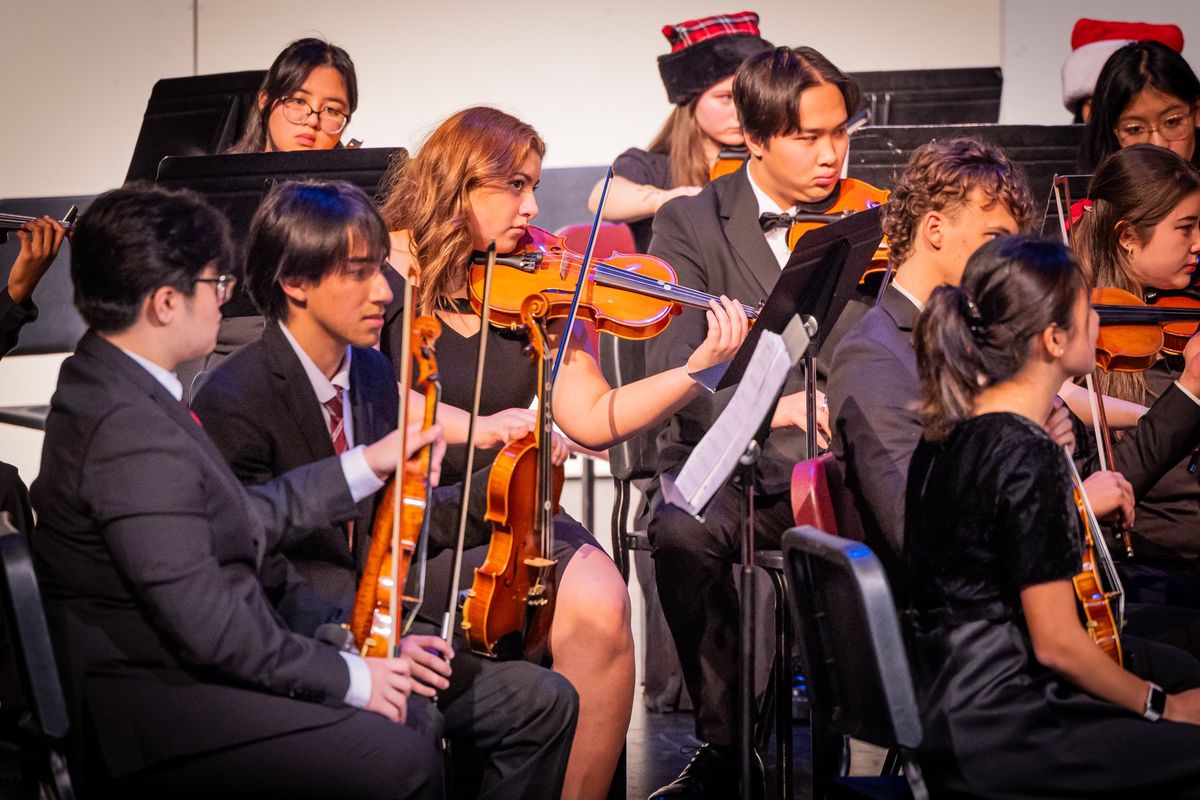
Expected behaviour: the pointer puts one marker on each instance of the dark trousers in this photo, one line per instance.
(518, 718)
(362, 756)
(695, 584)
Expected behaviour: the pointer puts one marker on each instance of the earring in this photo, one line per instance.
(1060, 352)
(1129, 250)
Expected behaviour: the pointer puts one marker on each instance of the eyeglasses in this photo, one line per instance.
(1172, 128)
(297, 112)
(224, 285)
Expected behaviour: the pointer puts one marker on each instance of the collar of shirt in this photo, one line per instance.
(323, 387)
(777, 238)
(168, 379)
(912, 298)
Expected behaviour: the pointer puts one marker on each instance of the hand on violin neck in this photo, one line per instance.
(1190, 377)
(384, 455)
(40, 241)
(1111, 496)
(391, 684)
(727, 328)
(430, 662)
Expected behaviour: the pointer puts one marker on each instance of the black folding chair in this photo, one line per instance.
(35, 658)
(856, 667)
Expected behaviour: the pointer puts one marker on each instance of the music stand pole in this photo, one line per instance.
(747, 467)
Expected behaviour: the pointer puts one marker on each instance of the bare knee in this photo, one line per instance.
(594, 604)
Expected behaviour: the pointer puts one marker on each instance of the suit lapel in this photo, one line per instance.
(739, 219)
(294, 387)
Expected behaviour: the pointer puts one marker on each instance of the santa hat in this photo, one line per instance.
(1094, 40)
(706, 51)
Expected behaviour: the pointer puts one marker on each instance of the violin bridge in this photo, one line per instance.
(539, 562)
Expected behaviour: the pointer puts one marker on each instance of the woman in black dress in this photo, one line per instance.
(472, 182)
(1015, 697)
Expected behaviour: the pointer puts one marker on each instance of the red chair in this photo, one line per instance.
(614, 237)
(820, 498)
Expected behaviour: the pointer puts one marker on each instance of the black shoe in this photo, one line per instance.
(712, 774)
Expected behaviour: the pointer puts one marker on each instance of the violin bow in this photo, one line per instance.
(395, 604)
(583, 274)
(451, 611)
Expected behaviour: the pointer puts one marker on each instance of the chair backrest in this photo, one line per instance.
(35, 655)
(854, 657)
(614, 237)
(192, 116)
(27, 624)
(820, 498)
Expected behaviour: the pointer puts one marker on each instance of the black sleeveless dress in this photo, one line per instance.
(989, 513)
(510, 381)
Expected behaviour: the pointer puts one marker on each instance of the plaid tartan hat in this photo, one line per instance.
(706, 51)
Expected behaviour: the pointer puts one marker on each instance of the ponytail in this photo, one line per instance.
(974, 336)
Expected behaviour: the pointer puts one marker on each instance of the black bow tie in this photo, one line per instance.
(770, 222)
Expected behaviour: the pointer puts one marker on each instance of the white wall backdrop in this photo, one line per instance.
(1036, 39)
(583, 74)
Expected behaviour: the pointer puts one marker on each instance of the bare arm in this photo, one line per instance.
(628, 201)
(1121, 414)
(597, 416)
(1062, 644)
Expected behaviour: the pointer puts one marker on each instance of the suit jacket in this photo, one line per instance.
(148, 550)
(873, 385)
(259, 409)
(715, 244)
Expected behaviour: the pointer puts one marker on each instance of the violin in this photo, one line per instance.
(1134, 333)
(1097, 585)
(633, 296)
(400, 534)
(1176, 334)
(14, 222)
(509, 608)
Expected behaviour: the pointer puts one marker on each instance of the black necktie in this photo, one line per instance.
(770, 222)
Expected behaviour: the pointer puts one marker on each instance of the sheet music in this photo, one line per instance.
(715, 457)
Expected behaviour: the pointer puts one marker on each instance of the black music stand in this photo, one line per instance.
(236, 184)
(878, 154)
(819, 279)
(932, 96)
(196, 115)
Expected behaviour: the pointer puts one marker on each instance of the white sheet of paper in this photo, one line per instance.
(716, 455)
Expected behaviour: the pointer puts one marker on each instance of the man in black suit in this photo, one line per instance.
(314, 268)
(181, 678)
(731, 239)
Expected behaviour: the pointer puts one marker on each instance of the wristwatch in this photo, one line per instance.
(1156, 702)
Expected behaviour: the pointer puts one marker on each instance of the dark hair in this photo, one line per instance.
(1127, 72)
(767, 87)
(287, 74)
(940, 176)
(302, 231)
(972, 336)
(1133, 189)
(134, 240)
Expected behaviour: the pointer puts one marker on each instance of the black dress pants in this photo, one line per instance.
(692, 562)
(363, 756)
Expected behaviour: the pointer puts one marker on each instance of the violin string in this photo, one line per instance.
(650, 285)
